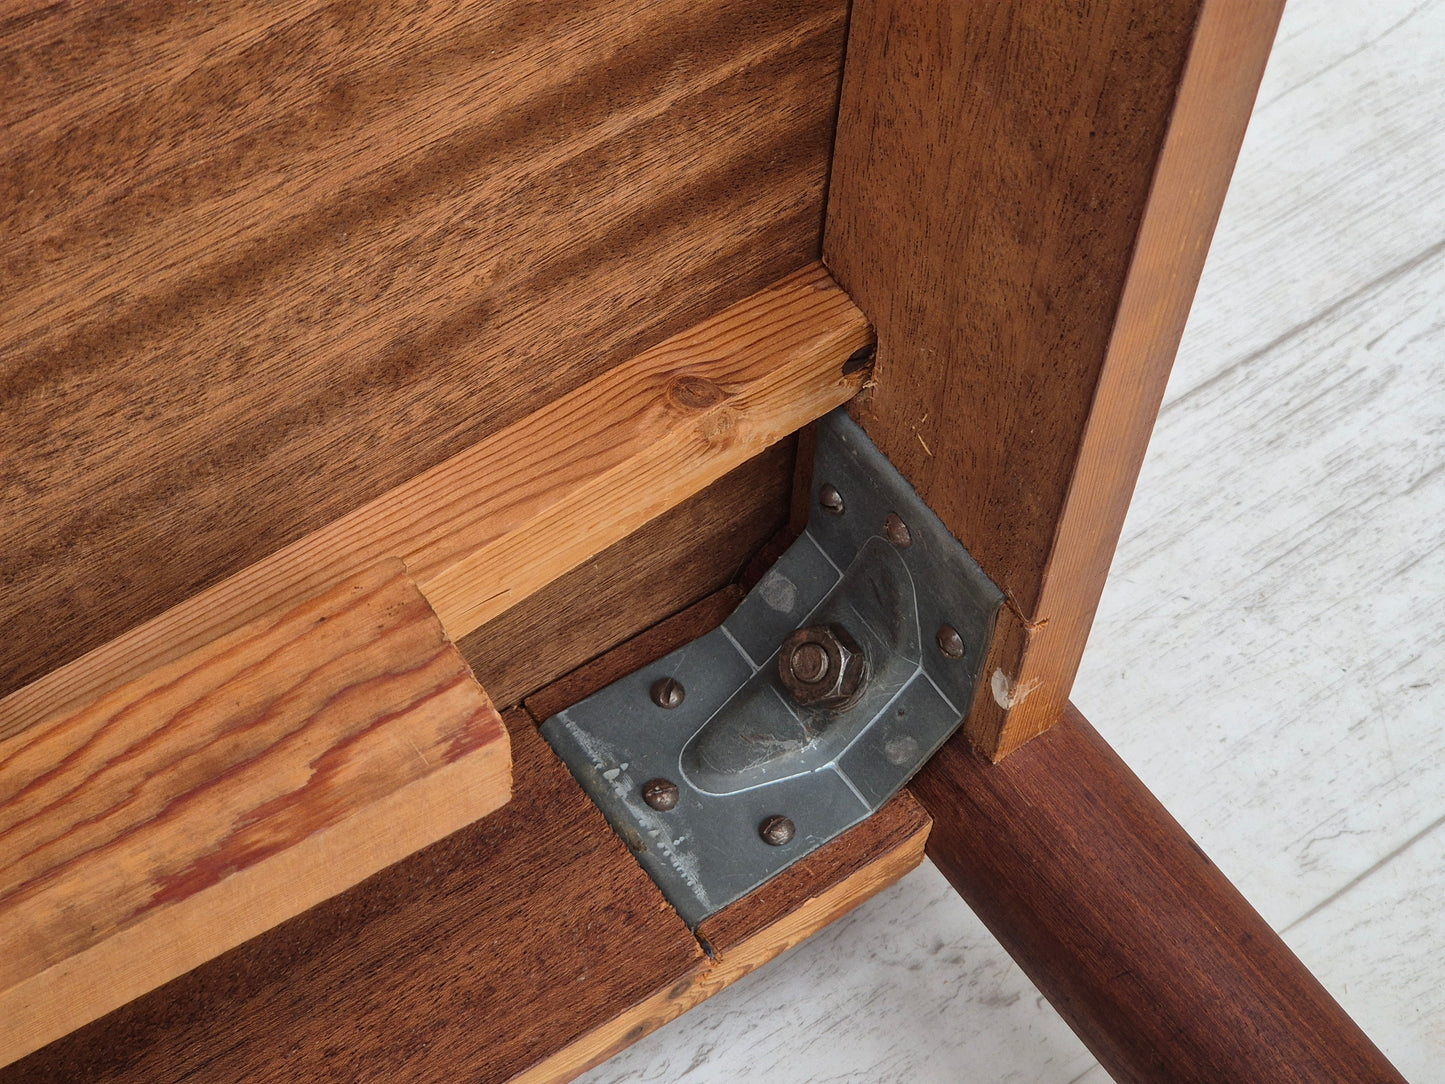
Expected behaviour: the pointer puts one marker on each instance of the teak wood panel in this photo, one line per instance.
(261, 263)
(213, 798)
(1022, 196)
(497, 522)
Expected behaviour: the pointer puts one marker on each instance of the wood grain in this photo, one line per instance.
(242, 295)
(490, 526)
(1147, 951)
(467, 959)
(1264, 657)
(1055, 172)
(635, 653)
(231, 789)
(772, 918)
(826, 885)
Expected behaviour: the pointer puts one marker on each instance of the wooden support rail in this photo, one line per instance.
(485, 529)
(211, 798)
(1023, 194)
(525, 947)
(1142, 945)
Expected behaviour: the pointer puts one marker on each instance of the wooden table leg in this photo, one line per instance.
(1121, 920)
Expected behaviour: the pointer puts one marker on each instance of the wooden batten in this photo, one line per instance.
(222, 793)
(260, 264)
(457, 546)
(1023, 194)
(487, 528)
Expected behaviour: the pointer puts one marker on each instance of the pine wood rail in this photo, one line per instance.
(535, 920)
(488, 527)
(211, 798)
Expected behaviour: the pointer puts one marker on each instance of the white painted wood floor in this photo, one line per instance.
(1270, 654)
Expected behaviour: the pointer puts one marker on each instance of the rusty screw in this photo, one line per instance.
(949, 641)
(777, 830)
(897, 531)
(661, 794)
(830, 499)
(822, 666)
(667, 692)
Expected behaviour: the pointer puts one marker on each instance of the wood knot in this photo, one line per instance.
(717, 428)
(694, 392)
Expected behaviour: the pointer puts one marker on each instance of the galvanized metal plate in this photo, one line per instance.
(738, 747)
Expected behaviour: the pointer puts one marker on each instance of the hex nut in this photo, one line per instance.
(822, 666)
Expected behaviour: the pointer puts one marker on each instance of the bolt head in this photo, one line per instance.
(809, 662)
(830, 500)
(667, 692)
(897, 531)
(822, 666)
(777, 830)
(660, 794)
(949, 641)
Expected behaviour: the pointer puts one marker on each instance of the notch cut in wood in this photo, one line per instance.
(228, 790)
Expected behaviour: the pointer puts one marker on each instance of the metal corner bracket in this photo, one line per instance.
(846, 667)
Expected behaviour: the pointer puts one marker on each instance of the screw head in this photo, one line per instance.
(822, 666)
(830, 499)
(897, 531)
(661, 794)
(949, 641)
(777, 830)
(667, 692)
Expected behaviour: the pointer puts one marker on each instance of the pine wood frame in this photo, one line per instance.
(1140, 121)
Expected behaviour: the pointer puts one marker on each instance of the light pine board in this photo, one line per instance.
(471, 530)
(1270, 653)
(213, 798)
